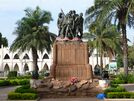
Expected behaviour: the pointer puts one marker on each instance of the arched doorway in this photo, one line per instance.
(26, 68)
(16, 67)
(6, 70)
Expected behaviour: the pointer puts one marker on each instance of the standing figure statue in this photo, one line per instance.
(60, 22)
(79, 25)
(70, 25)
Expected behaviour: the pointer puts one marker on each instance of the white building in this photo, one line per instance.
(22, 62)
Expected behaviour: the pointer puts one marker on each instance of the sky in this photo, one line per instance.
(13, 10)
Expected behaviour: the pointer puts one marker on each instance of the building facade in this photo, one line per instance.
(22, 62)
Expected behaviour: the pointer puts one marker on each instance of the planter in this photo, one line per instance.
(118, 99)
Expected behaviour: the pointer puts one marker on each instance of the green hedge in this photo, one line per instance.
(25, 89)
(114, 85)
(14, 82)
(21, 77)
(120, 95)
(22, 96)
(112, 89)
(4, 83)
(123, 79)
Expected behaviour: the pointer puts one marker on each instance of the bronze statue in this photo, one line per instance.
(70, 25)
(59, 23)
(79, 25)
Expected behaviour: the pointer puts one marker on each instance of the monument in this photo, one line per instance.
(70, 54)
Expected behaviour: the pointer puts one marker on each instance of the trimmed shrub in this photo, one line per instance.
(25, 89)
(12, 74)
(25, 86)
(14, 82)
(13, 96)
(114, 85)
(20, 96)
(23, 81)
(117, 81)
(120, 95)
(123, 79)
(112, 89)
(21, 77)
(4, 82)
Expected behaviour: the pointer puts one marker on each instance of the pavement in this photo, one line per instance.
(128, 87)
(70, 99)
(5, 90)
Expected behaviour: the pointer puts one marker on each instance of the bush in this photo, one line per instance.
(25, 89)
(123, 79)
(25, 86)
(21, 77)
(14, 82)
(120, 95)
(23, 82)
(114, 85)
(117, 81)
(4, 83)
(117, 89)
(12, 74)
(20, 96)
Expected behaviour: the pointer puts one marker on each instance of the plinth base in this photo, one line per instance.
(70, 59)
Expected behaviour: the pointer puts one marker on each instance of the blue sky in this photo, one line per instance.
(13, 10)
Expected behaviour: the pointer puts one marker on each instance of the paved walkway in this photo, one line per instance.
(71, 99)
(128, 87)
(4, 91)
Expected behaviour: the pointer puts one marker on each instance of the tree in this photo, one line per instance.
(104, 38)
(3, 41)
(119, 11)
(131, 56)
(32, 34)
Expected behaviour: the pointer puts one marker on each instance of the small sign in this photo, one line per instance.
(113, 65)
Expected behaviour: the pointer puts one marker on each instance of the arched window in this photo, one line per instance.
(16, 56)
(26, 56)
(6, 68)
(45, 56)
(26, 68)
(16, 67)
(6, 56)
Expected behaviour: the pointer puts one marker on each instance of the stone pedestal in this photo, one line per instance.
(70, 59)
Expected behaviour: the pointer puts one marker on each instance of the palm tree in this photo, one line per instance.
(33, 35)
(3, 41)
(103, 38)
(119, 11)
